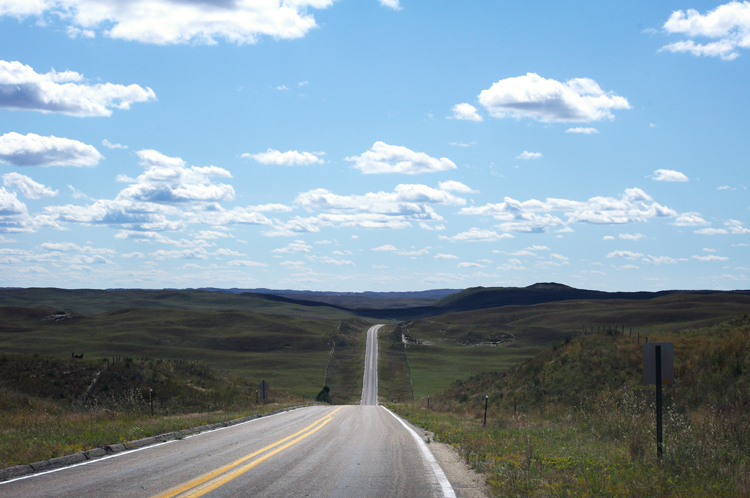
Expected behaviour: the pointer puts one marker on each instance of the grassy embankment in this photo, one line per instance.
(453, 346)
(203, 367)
(51, 407)
(576, 421)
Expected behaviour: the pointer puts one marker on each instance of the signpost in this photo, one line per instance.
(263, 390)
(658, 369)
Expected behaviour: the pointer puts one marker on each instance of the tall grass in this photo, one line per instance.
(595, 435)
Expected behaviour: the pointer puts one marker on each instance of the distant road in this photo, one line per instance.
(370, 380)
(317, 451)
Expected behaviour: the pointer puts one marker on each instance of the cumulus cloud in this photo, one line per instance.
(535, 216)
(288, 158)
(669, 175)
(296, 246)
(13, 213)
(27, 186)
(35, 150)
(454, 186)
(548, 100)
(395, 209)
(110, 145)
(581, 129)
(466, 112)
(392, 4)
(628, 236)
(22, 88)
(384, 158)
(166, 22)
(526, 155)
(710, 257)
(625, 254)
(166, 196)
(727, 25)
(689, 220)
(477, 235)
(246, 263)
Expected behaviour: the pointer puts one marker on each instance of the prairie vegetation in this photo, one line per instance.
(576, 421)
(52, 407)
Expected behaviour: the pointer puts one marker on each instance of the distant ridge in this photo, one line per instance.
(377, 305)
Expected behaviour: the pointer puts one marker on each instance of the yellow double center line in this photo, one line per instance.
(212, 480)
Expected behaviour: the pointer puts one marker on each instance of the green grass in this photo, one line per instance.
(93, 302)
(394, 380)
(576, 421)
(290, 353)
(51, 407)
(457, 345)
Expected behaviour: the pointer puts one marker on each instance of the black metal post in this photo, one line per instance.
(486, 400)
(658, 403)
(151, 400)
(256, 397)
(428, 402)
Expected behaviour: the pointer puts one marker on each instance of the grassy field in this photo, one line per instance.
(52, 407)
(93, 302)
(576, 421)
(454, 346)
(290, 353)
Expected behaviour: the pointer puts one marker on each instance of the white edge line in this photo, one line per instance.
(445, 485)
(150, 446)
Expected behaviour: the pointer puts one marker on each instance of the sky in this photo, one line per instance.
(374, 145)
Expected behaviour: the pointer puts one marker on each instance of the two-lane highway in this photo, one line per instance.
(317, 451)
(370, 380)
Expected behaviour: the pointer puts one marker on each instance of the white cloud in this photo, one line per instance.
(168, 180)
(627, 236)
(288, 158)
(296, 246)
(548, 100)
(689, 220)
(445, 256)
(35, 150)
(384, 158)
(470, 265)
(608, 237)
(454, 186)
(110, 145)
(522, 216)
(395, 209)
(246, 263)
(387, 247)
(478, 235)
(712, 231)
(710, 257)
(393, 4)
(331, 261)
(625, 254)
(466, 112)
(659, 260)
(668, 175)
(581, 129)
(29, 188)
(728, 25)
(525, 155)
(166, 22)
(22, 88)
(725, 187)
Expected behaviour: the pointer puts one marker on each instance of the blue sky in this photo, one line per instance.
(374, 145)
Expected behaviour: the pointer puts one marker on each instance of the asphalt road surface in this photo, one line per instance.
(370, 380)
(317, 451)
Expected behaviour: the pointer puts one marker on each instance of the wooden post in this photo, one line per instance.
(486, 400)
(658, 404)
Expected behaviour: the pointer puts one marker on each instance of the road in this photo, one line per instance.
(370, 380)
(317, 451)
